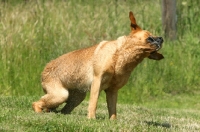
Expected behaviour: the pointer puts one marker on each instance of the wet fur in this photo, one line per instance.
(106, 66)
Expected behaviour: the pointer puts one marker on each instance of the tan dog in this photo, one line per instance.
(106, 66)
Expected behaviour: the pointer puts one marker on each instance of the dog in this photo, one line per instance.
(106, 66)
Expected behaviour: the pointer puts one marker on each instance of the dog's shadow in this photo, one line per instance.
(158, 124)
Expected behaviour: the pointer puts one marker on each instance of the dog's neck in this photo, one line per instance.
(129, 55)
(128, 47)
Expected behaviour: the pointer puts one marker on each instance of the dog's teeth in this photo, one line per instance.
(158, 47)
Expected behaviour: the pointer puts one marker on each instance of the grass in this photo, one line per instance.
(34, 33)
(18, 116)
(160, 96)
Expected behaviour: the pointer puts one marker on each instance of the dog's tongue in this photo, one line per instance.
(156, 56)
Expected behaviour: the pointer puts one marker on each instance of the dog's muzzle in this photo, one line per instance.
(155, 41)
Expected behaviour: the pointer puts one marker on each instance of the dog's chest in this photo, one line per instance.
(122, 71)
(116, 78)
(114, 81)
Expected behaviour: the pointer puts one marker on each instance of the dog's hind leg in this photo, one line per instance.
(52, 99)
(75, 98)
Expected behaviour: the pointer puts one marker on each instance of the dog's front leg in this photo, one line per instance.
(111, 98)
(94, 94)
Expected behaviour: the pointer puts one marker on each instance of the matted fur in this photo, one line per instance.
(106, 66)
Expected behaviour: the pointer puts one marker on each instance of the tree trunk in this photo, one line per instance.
(169, 18)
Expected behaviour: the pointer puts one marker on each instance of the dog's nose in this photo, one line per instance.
(159, 40)
(156, 41)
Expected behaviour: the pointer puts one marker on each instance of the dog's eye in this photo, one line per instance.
(150, 39)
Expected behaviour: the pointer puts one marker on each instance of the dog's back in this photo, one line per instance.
(72, 70)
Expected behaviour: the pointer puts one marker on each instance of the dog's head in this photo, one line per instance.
(149, 43)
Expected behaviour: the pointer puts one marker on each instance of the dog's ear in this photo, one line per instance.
(156, 56)
(134, 25)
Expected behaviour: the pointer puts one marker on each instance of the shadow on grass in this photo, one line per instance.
(157, 124)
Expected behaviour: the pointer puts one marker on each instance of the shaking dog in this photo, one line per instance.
(106, 66)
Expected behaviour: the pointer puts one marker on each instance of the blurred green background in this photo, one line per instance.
(34, 32)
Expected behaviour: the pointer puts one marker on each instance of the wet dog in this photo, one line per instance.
(106, 66)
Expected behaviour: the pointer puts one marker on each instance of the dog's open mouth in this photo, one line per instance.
(155, 41)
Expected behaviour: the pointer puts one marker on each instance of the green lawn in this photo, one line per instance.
(16, 115)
